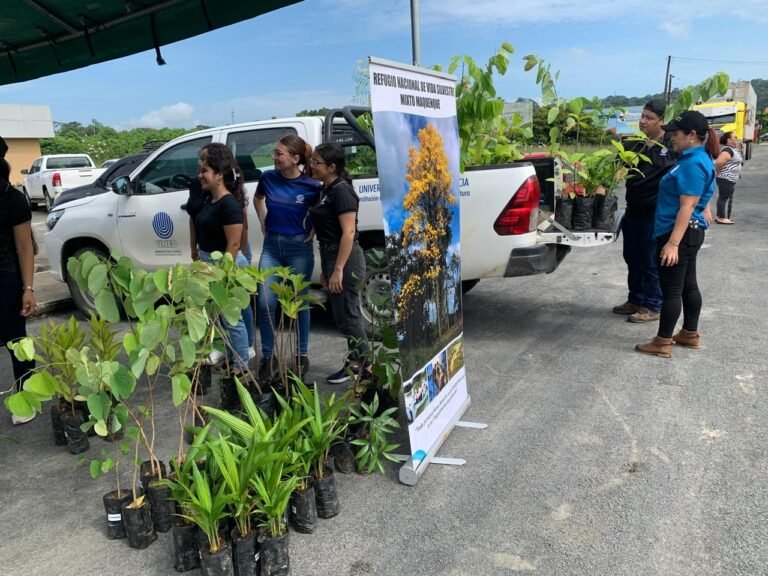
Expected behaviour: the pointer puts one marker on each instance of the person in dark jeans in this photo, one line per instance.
(341, 258)
(679, 227)
(644, 299)
(17, 270)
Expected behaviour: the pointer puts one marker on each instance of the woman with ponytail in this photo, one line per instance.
(341, 257)
(283, 198)
(218, 227)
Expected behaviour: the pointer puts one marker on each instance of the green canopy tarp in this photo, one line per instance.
(43, 37)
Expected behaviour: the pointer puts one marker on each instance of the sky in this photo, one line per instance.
(304, 56)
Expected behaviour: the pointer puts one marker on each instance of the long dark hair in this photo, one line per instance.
(724, 138)
(221, 160)
(297, 146)
(333, 153)
(711, 143)
(5, 170)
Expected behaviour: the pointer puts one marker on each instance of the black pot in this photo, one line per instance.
(265, 401)
(77, 440)
(605, 212)
(83, 407)
(273, 555)
(138, 525)
(564, 212)
(343, 457)
(583, 210)
(204, 379)
(162, 505)
(304, 510)
(218, 564)
(186, 552)
(145, 473)
(230, 400)
(59, 438)
(244, 554)
(325, 495)
(113, 505)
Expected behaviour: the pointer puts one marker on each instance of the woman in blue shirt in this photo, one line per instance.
(283, 198)
(681, 218)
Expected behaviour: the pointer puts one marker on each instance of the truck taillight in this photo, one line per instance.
(56, 181)
(520, 214)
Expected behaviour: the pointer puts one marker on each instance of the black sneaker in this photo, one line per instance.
(301, 365)
(344, 375)
(266, 370)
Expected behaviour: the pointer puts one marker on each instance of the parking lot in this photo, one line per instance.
(596, 460)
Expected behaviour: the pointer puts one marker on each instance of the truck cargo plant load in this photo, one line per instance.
(504, 226)
(735, 111)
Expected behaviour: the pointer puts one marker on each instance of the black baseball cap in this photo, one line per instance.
(656, 106)
(689, 121)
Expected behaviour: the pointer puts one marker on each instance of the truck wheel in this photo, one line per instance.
(377, 286)
(83, 300)
(467, 285)
(48, 201)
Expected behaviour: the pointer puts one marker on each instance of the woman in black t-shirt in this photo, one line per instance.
(17, 271)
(341, 258)
(218, 228)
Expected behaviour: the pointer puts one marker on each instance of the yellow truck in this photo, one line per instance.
(735, 111)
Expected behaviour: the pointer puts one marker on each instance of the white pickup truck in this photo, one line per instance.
(503, 230)
(51, 175)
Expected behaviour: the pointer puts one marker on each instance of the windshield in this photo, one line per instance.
(68, 162)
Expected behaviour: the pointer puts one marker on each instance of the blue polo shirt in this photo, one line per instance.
(694, 175)
(288, 202)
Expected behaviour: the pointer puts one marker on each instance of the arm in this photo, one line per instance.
(722, 160)
(22, 236)
(193, 240)
(260, 203)
(347, 221)
(669, 254)
(233, 232)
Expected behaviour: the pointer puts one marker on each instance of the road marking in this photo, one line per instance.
(513, 562)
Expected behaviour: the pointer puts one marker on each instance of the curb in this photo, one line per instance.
(46, 308)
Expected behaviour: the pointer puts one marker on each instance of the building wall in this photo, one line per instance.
(21, 153)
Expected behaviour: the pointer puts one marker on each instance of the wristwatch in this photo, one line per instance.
(29, 288)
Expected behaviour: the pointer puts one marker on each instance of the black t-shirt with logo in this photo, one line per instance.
(642, 189)
(211, 219)
(14, 210)
(337, 199)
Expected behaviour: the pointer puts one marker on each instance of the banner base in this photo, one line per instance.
(411, 471)
(476, 425)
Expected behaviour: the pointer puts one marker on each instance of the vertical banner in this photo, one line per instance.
(417, 152)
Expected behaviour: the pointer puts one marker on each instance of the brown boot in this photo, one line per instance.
(626, 308)
(657, 347)
(687, 338)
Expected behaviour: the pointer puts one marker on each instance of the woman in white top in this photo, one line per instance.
(728, 166)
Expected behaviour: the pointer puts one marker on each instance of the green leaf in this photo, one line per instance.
(139, 361)
(196, 323)
(153, 363)
(19, 404)
(25, 349)
(95, 469)
(160, 278)
(41, 383)
(88, 261)
(151, 334)
(106, 305)
(576, 105)
(232, 313)
(101, 429)
(553, 114)
(95, 407)
(180, 387)
(97, 279)
(122, 385)
(187, 350)
(129, 342)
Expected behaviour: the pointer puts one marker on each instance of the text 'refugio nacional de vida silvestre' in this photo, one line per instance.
(402, 83)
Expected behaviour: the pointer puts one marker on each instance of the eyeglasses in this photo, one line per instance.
(276, 153)
(314, 162)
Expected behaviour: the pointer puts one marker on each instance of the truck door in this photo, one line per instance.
(34, 188)
(153, 226)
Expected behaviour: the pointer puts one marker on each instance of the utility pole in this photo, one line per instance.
(415, 38)
(667, 81)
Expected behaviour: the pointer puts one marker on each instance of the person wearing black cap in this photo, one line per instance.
(679, 226)
(644, 298)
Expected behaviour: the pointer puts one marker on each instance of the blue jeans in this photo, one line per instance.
(296, 254)
(237, 348)
(248, 312)
(642, 261)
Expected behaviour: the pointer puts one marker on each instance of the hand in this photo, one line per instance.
(263, 228)
(669, 256)
(310, 237)
(28, 303)
(323, 280)
(195, 255)
(335, 283)
(708, 215)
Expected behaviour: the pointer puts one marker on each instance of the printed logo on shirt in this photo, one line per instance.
(664, 151)
(162, 224)
(300, 199)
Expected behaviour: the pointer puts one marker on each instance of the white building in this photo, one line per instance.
(22, 126)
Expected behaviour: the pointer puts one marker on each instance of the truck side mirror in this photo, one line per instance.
(122, 186)
(25, 171)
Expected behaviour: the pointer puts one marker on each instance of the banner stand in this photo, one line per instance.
(411, 471)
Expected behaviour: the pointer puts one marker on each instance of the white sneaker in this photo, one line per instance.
(17, 420)
(215, 357)
(251, 354)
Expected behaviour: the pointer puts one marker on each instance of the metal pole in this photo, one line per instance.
(667, 81)
(415, 38)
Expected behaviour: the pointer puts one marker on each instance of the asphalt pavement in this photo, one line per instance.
(597, 460)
